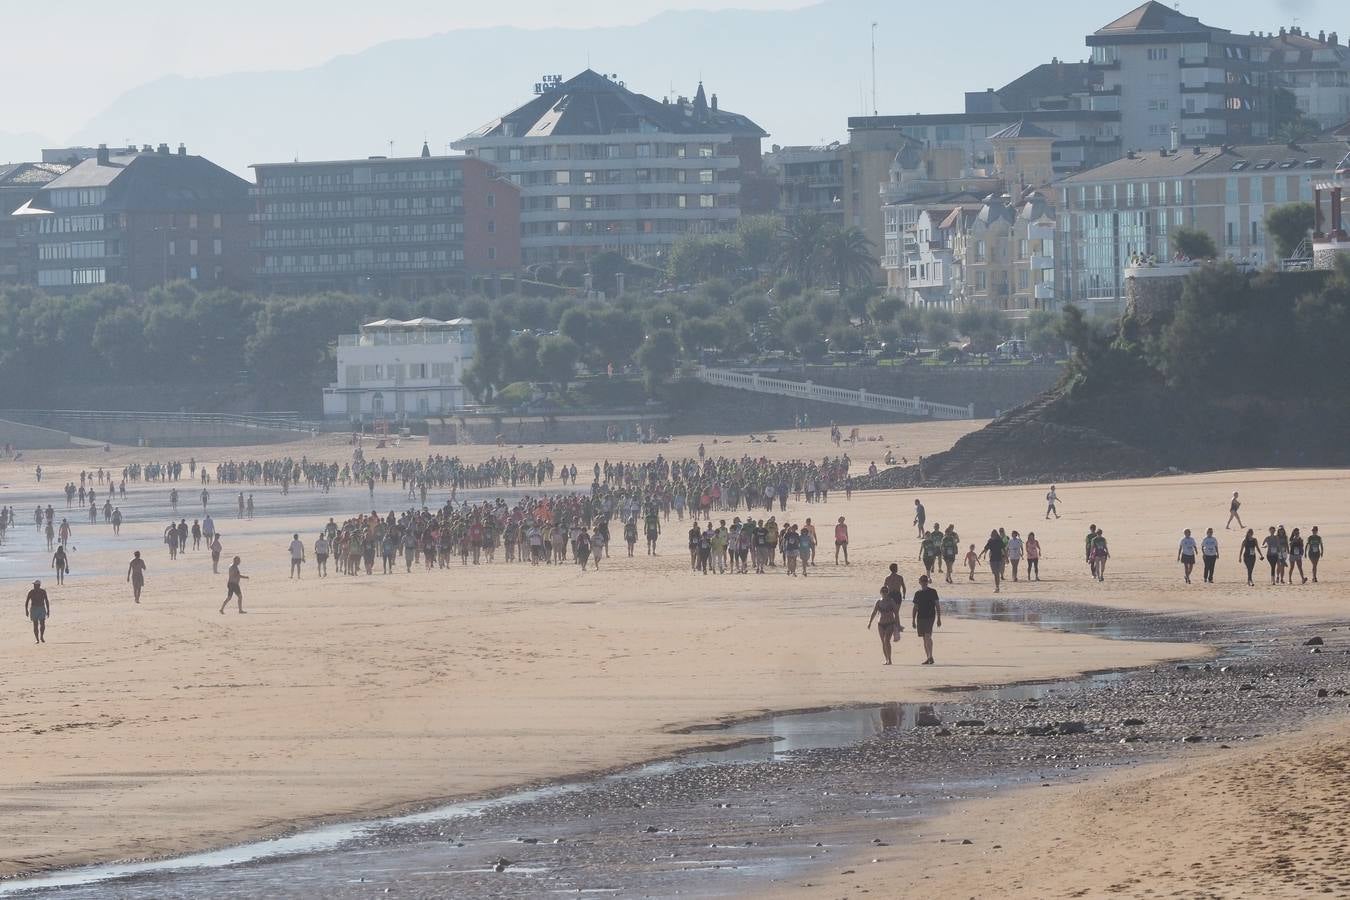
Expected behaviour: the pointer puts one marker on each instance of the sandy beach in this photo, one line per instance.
(163, 728)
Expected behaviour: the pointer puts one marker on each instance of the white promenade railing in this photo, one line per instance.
(806, 390)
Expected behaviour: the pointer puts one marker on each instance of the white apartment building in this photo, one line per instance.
(401, 370)
(603, 168)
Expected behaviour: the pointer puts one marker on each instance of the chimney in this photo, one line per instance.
(1282, 31)
(714, 103)
(1333, 38)
(146, 148)
(1176, 137)
(163, 150)
(102, 154)
(182, 149)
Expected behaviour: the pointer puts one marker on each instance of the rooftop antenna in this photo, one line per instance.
(391, 149)
(874, 68)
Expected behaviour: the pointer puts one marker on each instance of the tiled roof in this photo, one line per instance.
(30, 174)
(592, 104)
(1151, 17)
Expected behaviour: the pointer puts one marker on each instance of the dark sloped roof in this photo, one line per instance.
(591, 104)
(1214, 160)
(158, 182)
(1023, 129)
(1052, 79)
(1300, 153)
(1152, 17)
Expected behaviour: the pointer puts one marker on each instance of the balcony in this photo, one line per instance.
(298, 243)
(370, 268)
(406, 338)
(315, 216)
(446, 185)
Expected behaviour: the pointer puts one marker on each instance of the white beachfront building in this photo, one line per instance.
(401, 370)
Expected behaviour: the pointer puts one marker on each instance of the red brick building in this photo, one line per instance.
(140, 218)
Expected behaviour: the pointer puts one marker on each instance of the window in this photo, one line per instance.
(492, 201)
(707, 201)
(980, 251)
(89, 276)
(217, 247)
(705, 151)
(173, 248)
(681, 201)
(492, 253)
(1157, 104)
(192, 221)
(1157, 54)
(562, 202)
(492, 226)
(192, 273)
(705, 176)
(215, 221)
(192, 247)
(981, 281)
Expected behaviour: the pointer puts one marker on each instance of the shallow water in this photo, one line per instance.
(258, 868)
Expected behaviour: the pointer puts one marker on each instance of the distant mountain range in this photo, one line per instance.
(798, 73)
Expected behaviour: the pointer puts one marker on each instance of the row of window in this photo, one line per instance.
(378, 204)
(288, 261)
(69, 224)
(71, 277)
(641, 201)
(537, 153)
(642, 226)
(193, 247)
(416, 175)
(354, 375)
(349, 232)
(71, 198)
(617, 176)
(79, 250)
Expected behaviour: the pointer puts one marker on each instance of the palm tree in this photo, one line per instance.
(847, 254)
(802, 243)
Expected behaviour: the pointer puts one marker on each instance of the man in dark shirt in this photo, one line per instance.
(926, 612)
(37, 607)
(994, 549)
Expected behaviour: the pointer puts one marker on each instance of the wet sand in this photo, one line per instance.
(380, 694)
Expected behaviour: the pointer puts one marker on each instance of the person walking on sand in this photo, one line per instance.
(925, 614)
(1100, 554)
(61, 563)
(895, 584)
(232, 579)
(1296, 550)
(321, 548)
(1271, 544)
(1233, 506)
(1314, 548)
(215, 554)
(840, 541)
(920, 516)
(994, 549)
(1251, 551)
(887, 608)
(1209, 553)
(1051, 504)
(1186, 553)
(1033, 557)
(136, 575)
(297, 555)
(38, 608)
(1016, 549)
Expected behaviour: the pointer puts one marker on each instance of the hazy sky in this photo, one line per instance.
(107, 48)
